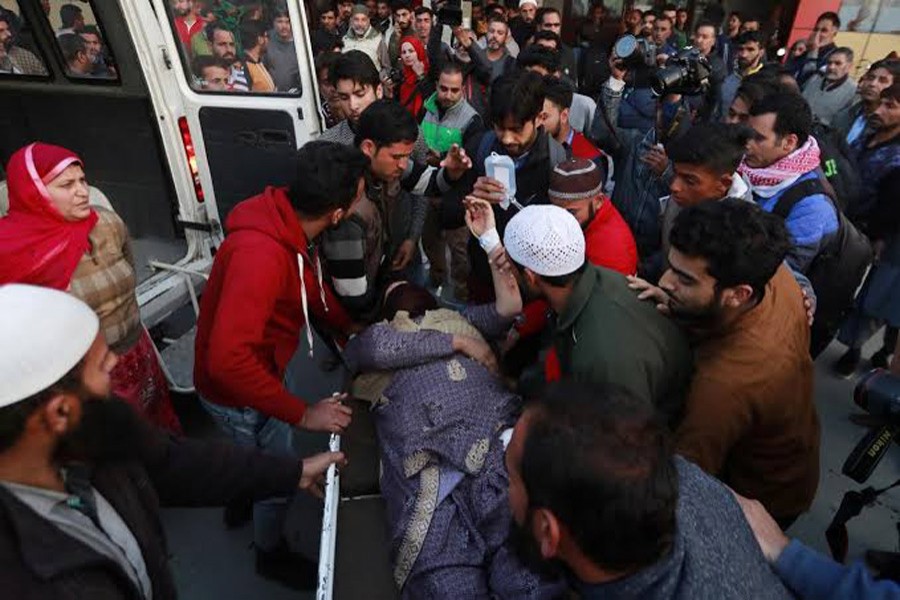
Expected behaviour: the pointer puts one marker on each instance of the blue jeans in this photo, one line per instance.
(248, 427)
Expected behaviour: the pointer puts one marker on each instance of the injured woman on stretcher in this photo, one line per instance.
(440, 410)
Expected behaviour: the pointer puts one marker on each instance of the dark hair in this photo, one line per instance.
(281, 11)
(752, 90)
(494, 18)
(423, 10)
(357, 67)
(7, 18)
(538, 56)
(67, 15)
(892, 91)
(326, 177)
(251, 31)
(451, 68)
(665, 18)
(792, 114)
(848, 52)
(213, 26)
(90, 30)
(830, 16)
(670, 6)
(412, 298)
(716, 146)
(14, 416)
(601, 461)
(736, 13)
(70, 44)
(705, 23)
(547, 35)
(892, 66)
(519, 96)
(204, 62)
(558, 92)
(544, 10)
(328, 9)
(494, 7)
(386, 122)
(741, 243)
(400, 5)
(326, 60)
(752, 36)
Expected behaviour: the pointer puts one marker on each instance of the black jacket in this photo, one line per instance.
(41, 562)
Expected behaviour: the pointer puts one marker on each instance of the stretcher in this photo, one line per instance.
(354, 552)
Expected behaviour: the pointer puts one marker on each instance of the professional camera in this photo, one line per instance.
(878, 392)
(687, 74)
(450, 14)
(635, 53)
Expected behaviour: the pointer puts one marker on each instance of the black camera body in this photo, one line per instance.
(686, 74)
(878, 392)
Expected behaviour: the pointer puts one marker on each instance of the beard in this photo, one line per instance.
(108, 431)
(702, 317)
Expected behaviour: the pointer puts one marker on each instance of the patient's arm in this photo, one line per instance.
(381, 348)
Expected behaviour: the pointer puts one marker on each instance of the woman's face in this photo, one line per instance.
(408, 54)
(799, 48)
(70, 195)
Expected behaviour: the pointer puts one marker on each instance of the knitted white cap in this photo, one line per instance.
(545, 239)
(535, 3)
(44, 333)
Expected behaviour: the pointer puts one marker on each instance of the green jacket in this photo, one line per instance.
(605, 335)
(457, 125)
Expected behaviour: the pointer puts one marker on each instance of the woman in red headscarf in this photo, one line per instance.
(53, 237)
(416, 86)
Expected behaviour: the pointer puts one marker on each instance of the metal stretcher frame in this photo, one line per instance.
(328, 540)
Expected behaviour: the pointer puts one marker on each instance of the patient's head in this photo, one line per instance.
(402, 295)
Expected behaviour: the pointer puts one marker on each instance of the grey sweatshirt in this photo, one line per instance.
(714, 555)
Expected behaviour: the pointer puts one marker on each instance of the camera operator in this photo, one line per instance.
(643, 173)
(806, 572)
(705, 43)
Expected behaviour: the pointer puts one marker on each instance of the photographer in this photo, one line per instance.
(643, 173)
(806, 572)
(705, 42)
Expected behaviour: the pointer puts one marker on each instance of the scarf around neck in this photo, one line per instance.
(767, 181)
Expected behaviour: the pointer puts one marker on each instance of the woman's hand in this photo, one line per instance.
(418, 67)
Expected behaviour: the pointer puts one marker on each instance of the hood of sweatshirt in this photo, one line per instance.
(272, 215)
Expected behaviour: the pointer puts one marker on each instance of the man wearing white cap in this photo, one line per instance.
(523, 26)
(603, 334)
(82, 477)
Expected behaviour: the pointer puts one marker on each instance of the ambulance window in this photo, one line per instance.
(18, 52)
(234, 48)
(82, 46)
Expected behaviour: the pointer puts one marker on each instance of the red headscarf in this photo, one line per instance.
(37, 245)
(410, 96)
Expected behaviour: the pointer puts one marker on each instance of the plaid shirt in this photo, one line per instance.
(105, 281)
(26, 62)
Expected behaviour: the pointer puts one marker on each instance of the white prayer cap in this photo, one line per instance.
(535, 3)
(44, 334)
(546, 239)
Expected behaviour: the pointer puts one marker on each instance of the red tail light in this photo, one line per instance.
(188, 144)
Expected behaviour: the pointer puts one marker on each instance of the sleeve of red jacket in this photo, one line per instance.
(246, 299)
(534, 318)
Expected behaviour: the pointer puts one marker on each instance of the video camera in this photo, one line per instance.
(686, 73)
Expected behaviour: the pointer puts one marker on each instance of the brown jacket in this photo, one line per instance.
(41, 562)
(750, 418)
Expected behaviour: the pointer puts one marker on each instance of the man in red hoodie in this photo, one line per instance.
(265, 281)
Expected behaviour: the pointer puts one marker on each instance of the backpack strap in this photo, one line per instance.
(794, 194)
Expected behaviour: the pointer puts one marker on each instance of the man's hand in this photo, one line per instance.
(489, 189)
(464, 36)
(327, 415)
(433, 158)
(769, 536)
(648, 291)
(479, 215)
(404, 255)
(477, 350)
(313, 478)
(809, 306)
(456, 163)
(615, 68)
(656, 159)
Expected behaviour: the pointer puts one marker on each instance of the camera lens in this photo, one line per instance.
(666, 79)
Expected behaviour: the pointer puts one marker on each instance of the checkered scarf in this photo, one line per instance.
(785, 171)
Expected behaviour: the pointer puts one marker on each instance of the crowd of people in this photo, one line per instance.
(583, 314)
